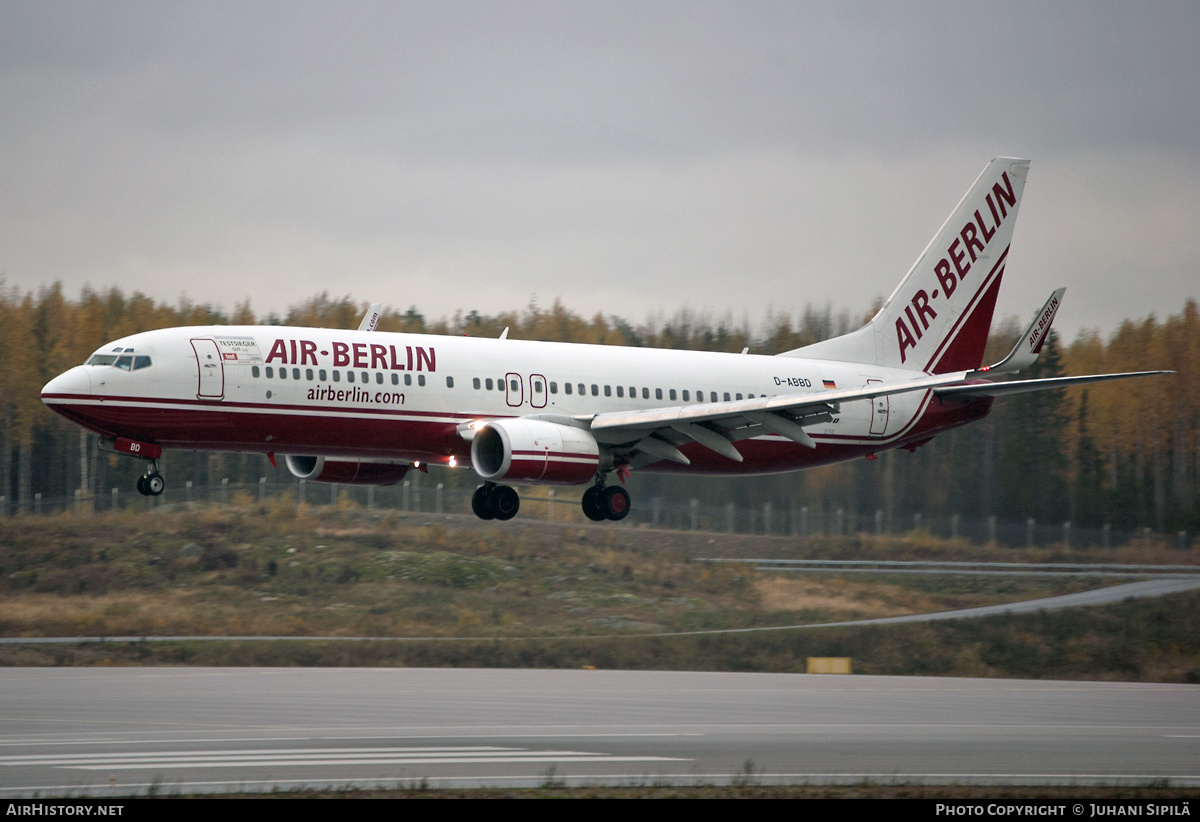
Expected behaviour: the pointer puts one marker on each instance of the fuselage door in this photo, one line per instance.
(537, 391)
(514, 390)
(211, 372)
(880, 409)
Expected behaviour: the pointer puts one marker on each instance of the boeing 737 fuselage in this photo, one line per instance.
(367, 406)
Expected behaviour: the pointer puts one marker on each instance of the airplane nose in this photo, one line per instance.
(73, 383)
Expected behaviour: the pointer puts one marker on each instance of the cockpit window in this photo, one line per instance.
(126, 361)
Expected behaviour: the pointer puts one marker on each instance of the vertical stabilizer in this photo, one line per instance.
(938, 318)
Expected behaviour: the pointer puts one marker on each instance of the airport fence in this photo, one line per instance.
(423, 495)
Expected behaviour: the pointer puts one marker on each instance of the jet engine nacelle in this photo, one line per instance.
(535, 451)
(345, 472)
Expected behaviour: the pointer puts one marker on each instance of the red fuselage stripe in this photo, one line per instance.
(214, 427)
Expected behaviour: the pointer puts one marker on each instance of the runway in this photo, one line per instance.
(133, 730)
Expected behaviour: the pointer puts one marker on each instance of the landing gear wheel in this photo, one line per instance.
(593, 505)
(141, 486)
(155, 484)
(505, 502)
(481, 502)
(616, 502)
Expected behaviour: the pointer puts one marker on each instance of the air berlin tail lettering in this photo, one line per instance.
(952, 269)
(356, 355)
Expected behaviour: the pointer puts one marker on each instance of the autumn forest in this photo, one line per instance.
(1125, 453)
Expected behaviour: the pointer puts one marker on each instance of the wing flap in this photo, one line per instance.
(786, 428)
(709, 439)
(662, 450)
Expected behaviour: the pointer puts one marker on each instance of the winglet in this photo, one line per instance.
(1030, 345)
(371, 319)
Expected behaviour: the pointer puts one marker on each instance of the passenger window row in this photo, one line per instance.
(321, 375)
(498, 384)
(582, 389)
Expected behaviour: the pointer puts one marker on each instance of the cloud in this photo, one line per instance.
(626, 157)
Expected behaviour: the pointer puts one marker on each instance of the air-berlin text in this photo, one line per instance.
(331, 394)
(954, 268)
(1038, 337)
(355, 355)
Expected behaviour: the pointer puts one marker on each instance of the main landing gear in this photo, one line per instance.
(151, 484)
(492, 501)
(600, 503)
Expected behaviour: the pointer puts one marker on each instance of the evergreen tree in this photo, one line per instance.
(1087, 492)
(1031, 469)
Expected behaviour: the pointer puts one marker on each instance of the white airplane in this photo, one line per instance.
(365, 406)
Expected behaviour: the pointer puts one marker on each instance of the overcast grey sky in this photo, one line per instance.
(624, 157)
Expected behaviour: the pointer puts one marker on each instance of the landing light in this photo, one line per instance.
(453, 462)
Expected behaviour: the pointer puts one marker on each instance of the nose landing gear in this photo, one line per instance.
(151, 484)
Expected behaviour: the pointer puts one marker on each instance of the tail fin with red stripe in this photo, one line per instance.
(938, 318)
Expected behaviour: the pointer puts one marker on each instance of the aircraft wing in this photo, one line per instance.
(1000, 389)
(656, 433)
